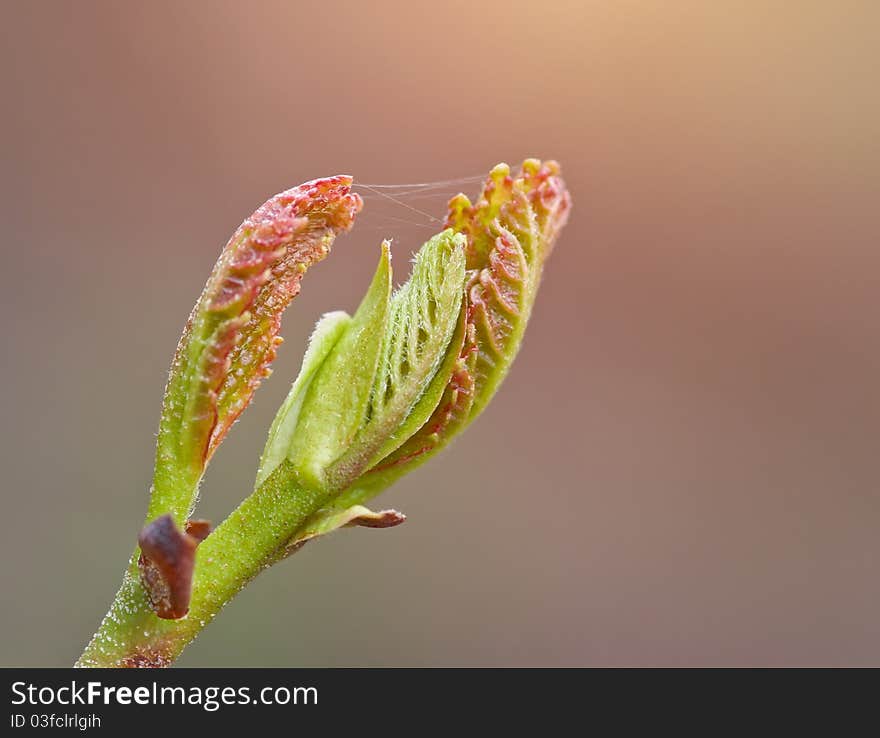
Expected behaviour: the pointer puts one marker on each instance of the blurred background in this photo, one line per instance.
(682, 467)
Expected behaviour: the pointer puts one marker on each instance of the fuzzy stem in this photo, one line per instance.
(245, 543)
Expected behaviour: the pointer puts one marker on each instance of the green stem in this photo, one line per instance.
(245, 543)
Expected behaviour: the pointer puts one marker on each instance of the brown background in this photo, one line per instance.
(681, 469)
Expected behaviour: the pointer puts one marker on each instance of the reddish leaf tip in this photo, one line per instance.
(258, 275)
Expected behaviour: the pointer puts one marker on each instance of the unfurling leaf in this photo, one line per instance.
(337, 399)
(326, 335)
(509, 231)
(381, 378)
(411, 371)
(232, 334)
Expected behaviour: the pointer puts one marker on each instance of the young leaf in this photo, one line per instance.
(510, 232)
(326, 335)
(232, 332)
(432, 398)
(421, 322)
(337, 399)
(395, 357)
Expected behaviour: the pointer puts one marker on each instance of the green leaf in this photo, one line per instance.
(232, 333)
(421, 322)
(337, 400)
(326, 335)
(431, 398)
